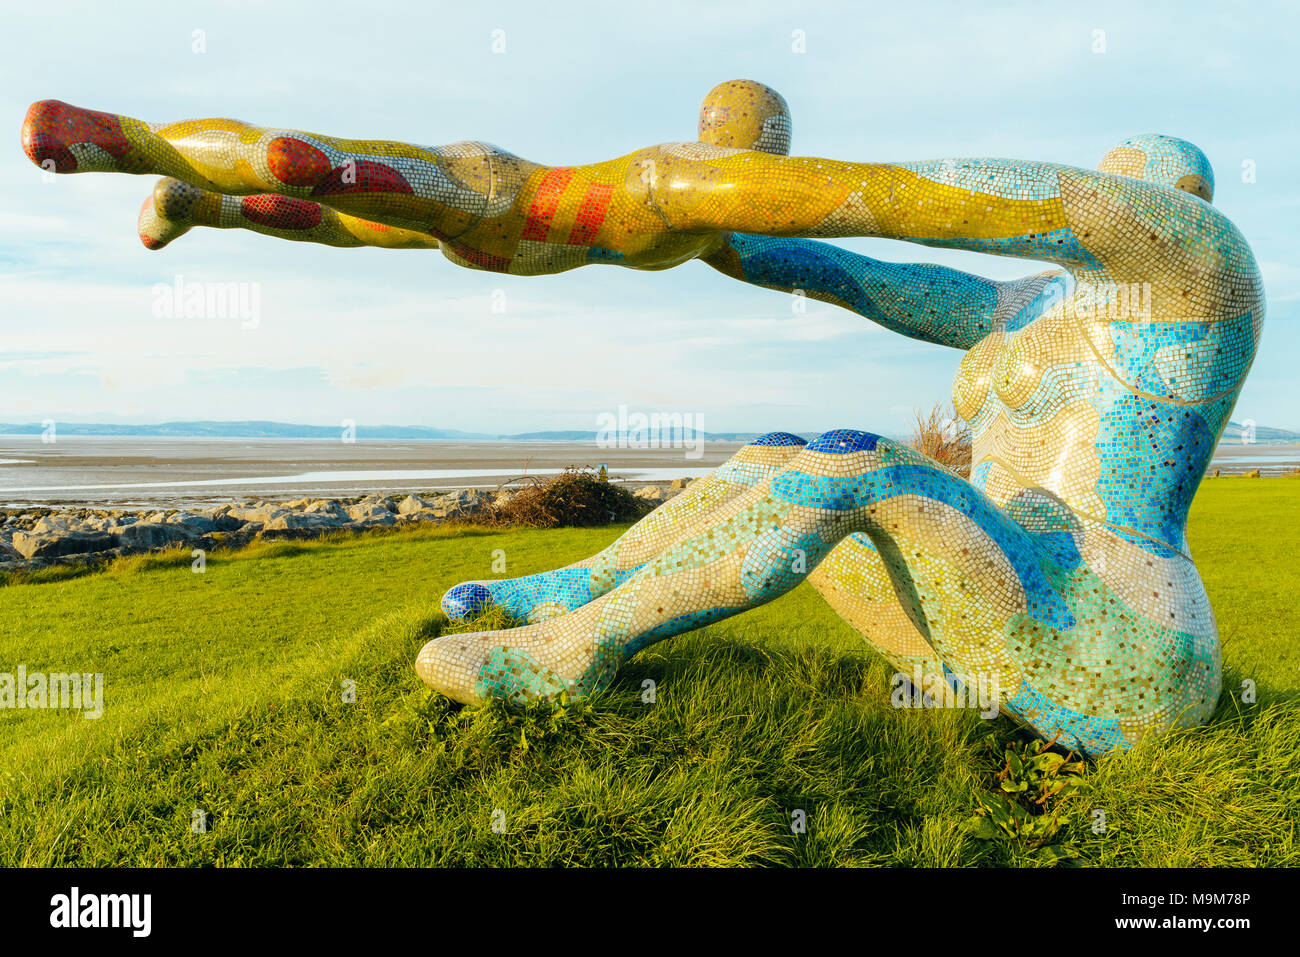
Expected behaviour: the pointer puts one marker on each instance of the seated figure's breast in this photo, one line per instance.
(970, 390)
(1028, 396)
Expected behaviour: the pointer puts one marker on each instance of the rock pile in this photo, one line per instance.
(32, 538)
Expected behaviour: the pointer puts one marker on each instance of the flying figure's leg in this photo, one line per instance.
(441, 191)
(173, 208)
(534, 598)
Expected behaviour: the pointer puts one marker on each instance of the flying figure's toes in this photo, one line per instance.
(63, 138)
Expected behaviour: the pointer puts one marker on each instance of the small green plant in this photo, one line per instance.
(537, 725)
(1031, 802)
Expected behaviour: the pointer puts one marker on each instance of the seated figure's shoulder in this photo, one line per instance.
(1021, 301)
(1116, 212)
(1193, 256)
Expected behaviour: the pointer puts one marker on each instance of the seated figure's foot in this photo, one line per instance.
(63, 138)
(530, 598)
(168, 212)
(520, 665)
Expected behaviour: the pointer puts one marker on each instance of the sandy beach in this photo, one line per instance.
(130, 471)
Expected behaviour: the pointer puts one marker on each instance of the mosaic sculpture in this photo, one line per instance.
(1095, 391)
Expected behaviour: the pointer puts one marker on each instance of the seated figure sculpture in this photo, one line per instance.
(1095, 391)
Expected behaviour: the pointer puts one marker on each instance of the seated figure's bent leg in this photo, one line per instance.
(173, 208)
(439, 191)
(1017, 610)
(535, 598)
(857, 583)
(753, 549)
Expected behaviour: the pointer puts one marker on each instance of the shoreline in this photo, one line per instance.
(124, 474)
(127, 474)
(36, 538)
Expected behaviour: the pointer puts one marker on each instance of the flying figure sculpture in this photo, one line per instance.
(1095, 391)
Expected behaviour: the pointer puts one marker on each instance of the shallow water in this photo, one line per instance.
(122, 471)
(127, 471)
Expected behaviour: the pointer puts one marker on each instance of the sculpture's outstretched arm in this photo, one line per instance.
(919, 300)
(173, 208)
(1005, 207)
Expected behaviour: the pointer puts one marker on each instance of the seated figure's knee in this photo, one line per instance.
(844, 441)
(760, 458)
(778, 440)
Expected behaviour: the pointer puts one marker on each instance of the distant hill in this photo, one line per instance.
(1264, 435)
(241, 430)
(289, 430)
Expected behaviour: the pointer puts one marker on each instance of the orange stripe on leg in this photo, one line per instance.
(591, 214)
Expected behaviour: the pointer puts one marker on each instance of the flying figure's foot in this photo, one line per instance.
(530, 598)
(62, 138)
(168, 212)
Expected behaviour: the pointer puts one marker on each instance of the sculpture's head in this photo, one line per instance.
(1165, 160)
(745, 115)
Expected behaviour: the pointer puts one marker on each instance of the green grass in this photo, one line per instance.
(224, 692)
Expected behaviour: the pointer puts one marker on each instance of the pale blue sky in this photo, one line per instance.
(406, 337)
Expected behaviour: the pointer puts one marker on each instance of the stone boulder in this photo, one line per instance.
(292, 521)
(459, 504)
(412, 503)
(59, 542)
(148, 535)
(681, 483)
(326, 506)
(220, 517)
(652, 493)
(193, 519)
(55, 522)
(370, 514)
(263, 513)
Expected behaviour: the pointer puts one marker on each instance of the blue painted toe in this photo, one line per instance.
(466, 600)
